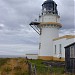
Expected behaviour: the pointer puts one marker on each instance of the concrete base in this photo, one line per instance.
(58, 59)
(51, 58)
(45, 57)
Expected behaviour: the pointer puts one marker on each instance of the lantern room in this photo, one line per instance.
(49, 6)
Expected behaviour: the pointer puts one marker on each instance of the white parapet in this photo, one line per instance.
(49, 18)
(32, 56)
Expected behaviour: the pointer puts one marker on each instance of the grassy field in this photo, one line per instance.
(13, 66)
(19, 66)
(42, 69)
(47, 70)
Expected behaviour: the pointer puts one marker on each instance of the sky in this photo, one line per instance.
(16, 36)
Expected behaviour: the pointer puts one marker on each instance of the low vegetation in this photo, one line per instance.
(3, 61)
(19, 66)
(43, 69)
(13, 66)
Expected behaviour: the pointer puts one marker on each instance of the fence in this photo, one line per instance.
(48, 68)
(32, 69)
(39, 70)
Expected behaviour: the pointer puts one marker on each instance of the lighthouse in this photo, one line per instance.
(48, 28)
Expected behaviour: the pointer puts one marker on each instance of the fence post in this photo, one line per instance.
(30, 68)
(34, 69)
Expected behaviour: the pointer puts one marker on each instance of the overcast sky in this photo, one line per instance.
(16, 36)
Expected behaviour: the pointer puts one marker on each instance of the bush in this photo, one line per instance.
(3, 61)
(7, 69)
(17, 68)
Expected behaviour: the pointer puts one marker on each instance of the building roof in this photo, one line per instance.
(70, 45)
(66, 36)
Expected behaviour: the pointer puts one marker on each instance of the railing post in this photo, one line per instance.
(34, 69)
(30, 68)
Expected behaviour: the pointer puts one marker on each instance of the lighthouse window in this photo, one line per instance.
(72, 52)
(60, 52)
(55, 49)
(48, 25)
(51, 25)
(39, 45)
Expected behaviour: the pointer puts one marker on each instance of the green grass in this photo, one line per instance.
(41, 69)
(46, 70)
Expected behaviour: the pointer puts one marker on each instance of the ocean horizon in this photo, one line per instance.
(9, 50)
(12, 56)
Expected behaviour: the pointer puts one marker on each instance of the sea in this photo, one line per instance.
(12, 56)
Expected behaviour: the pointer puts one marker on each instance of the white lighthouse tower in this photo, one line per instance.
(48, 26)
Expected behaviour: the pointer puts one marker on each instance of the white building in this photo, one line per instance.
(32, 56)
(51, 46)
(59, 44)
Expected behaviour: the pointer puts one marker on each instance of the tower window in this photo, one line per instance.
(60, 50)
(39, 45)
(55, 49)
(72, 52)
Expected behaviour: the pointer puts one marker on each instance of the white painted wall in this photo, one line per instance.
(64, 42)
(48, 33)
(46, 40)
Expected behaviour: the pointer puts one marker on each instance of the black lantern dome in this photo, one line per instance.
(49, 6)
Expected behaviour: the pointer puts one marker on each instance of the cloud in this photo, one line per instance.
(67, 16)
(15, 16)
(67, 13)
(67, 32)
(1, 26)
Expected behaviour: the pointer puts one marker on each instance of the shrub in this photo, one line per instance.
(7, 69)
(3, 61)
(17, 68)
